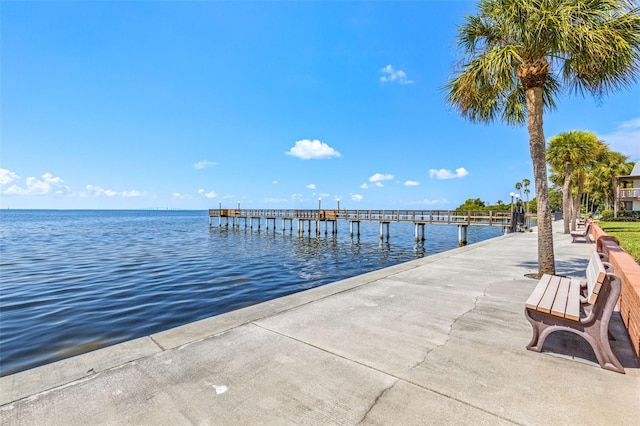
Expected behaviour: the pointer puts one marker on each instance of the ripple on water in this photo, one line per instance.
(75, 281)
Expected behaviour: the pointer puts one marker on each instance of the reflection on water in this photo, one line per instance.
(75, 281)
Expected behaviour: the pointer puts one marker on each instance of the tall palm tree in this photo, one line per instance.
(569, 153)
(519, 54)
(526, 182)
(602, 180)
(518, 187)
(584, 171)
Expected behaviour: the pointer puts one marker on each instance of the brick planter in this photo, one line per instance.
(629, 271)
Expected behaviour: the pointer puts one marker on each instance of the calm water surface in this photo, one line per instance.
(75, 281)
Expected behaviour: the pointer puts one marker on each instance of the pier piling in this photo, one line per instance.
(463, 219)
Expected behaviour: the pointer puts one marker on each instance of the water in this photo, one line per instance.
(75, 281)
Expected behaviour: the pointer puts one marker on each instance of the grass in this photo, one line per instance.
(628, 233)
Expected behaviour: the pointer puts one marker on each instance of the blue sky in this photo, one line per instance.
(185, 105)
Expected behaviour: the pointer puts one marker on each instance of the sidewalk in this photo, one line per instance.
(439, 340)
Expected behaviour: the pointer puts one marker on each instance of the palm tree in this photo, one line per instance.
(526, 182)
(519, 187)
(602, 185)
(519, 54)
(569, 153)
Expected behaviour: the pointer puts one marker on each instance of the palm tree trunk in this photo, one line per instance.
(538, 148)
(567, 211)
(575, 208)
(578, 201)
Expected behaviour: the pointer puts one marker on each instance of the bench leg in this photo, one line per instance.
(598, 338)
(599, 341)
(536, 343)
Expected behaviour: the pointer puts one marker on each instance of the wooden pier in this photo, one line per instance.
(305, 218)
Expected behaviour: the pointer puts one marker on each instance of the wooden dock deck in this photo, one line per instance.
(308, 216)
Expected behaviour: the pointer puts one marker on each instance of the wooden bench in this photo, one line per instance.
(583, 233)
(560, 303)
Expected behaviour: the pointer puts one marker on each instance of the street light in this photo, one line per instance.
(318, 221)
(338, 203)
(516, 222)
(511, 228)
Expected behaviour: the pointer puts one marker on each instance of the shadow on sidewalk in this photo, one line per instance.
(574, 267)
(567, 344)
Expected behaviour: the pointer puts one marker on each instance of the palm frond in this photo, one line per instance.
(591, 46)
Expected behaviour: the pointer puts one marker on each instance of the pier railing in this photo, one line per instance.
(456, 217)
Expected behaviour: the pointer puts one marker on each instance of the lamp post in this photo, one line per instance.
(338, 203)
(219, 214)
(517, 215)
(513, 194)
(318, 221)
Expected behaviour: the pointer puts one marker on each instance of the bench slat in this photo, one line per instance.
(595, 277)
(560, 301)
(549, 295)
(533, 300)
(572, 310)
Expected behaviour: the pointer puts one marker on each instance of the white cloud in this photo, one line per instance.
(356, 197)
(98, 191)
(377, 180)
(447, 174)
(14, 190)
(275, 200)
(203, 164)
(210, 194)
(307, 149)
(631, 124)
(311, 186)
(7, 176)
(48, 185)
(133, 193)
(430, 202)
(297, 197)
(625, 139)
(275, 182)
(411, 183)
(390, 75)
(179, 196)
(324, 195)
(378, 177)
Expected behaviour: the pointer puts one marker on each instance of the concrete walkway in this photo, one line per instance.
(439, 340)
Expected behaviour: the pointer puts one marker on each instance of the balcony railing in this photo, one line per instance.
(629, 193)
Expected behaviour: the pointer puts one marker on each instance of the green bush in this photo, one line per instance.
(607, 214)
(623, 216)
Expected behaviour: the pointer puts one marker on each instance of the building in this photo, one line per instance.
(628, 191)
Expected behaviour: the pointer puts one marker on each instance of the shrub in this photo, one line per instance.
(623, 216)
(629, 215)
(607, 215)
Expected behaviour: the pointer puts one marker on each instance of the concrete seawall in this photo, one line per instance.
(439, 340)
